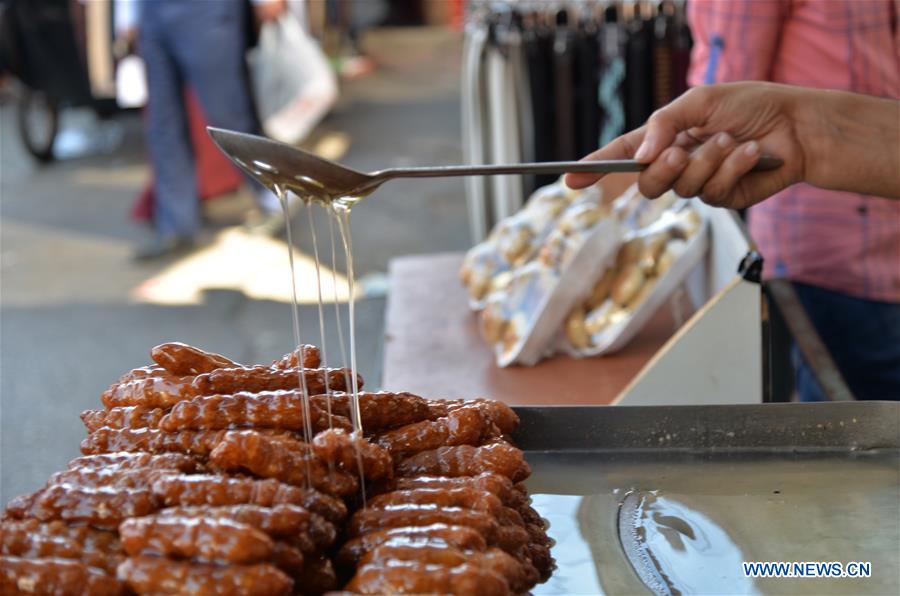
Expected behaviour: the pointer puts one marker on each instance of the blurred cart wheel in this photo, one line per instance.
(38, 123)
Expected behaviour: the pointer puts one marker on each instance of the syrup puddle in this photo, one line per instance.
(682, 524)
(677, 550)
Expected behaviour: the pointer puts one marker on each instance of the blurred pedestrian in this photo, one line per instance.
(201, 45)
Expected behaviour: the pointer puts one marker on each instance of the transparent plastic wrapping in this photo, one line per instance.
(649, 267)
(599, 273)
(522, 318)
(530, 314)
(515, 241)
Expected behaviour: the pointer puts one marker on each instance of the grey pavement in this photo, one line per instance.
(68, 324)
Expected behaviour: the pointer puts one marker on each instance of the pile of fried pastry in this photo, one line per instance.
(204, 476)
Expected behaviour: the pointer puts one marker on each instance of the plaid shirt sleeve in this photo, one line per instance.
(734, 40)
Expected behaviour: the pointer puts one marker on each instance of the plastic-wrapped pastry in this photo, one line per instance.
(689, 221)
(492, 323)
(629, 253)
(575, 329)
(654, 245)
(553, 250)
(600, 291)
(580, 217)
(500, 282)
(641, 294)
(673, 250)
(627, 284)
(601, 317)
(516, 241)
(481, 263)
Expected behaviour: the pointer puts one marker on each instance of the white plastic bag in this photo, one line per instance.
(131, 82)
(293, 83)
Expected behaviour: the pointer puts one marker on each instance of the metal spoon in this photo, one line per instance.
(276, 164)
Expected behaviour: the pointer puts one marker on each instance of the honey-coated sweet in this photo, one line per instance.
(204, 476)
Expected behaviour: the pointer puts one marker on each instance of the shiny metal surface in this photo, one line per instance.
(828, 426)
(670, 500)
(310, 176)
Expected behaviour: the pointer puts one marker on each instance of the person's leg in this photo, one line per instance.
(210, 46)
(177, 206)
(208, 42)
(863, 337)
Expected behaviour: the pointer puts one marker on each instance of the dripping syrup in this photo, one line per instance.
(338, 212)
(281, 193)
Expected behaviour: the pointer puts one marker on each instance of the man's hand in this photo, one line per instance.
(705, 143)
(269, 10)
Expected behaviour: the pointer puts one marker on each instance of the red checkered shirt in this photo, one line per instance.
(840, 241)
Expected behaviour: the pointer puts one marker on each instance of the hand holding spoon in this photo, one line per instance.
(275, 164)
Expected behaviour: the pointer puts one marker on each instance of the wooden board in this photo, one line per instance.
(433, 347)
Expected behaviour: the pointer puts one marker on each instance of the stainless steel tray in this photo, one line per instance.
(672, 500)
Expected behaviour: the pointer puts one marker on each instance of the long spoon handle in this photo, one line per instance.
(765, 163)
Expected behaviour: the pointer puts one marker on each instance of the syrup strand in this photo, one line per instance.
(321, 308)
(342, 212)
(337, 306)
(312, 231)
(281, 193)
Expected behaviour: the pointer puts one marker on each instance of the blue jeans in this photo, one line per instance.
(200, 44)
(863, 337)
